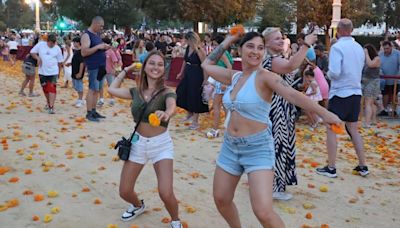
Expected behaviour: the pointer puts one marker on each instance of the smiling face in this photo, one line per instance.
(252, 51)
(274, 42)
(154, 67)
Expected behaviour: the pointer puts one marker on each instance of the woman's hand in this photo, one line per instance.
(310, 39)
(162, 115)
(331, 118)
(179, 76)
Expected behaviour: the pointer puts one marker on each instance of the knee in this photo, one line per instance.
(221, 200)
(166, 194)
(263, 213)
(125, 191)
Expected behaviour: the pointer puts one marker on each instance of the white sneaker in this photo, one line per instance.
(78, 103)
(111, 102)
(282, 196)
(83, 102)
(100, 102)
(132, 212)
(176, 224)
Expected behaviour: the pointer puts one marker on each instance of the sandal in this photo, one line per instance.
(194, 126)
(213, 133)
(22, 94)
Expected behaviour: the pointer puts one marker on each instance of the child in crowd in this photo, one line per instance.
(67, 54)
(314, 93)
(78, 71)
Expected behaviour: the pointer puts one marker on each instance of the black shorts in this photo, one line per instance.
(388, 90)
(347, 108)
(13, 52)
(44, 79)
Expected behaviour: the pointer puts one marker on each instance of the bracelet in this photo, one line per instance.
(125, 71)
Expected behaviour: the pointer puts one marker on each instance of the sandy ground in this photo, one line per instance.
(74, 158)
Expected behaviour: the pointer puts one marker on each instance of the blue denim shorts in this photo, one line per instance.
(240, 155)
(218, 88)
(78, 85)
(94, 84)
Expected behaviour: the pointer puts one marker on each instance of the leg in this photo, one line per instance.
(89, 100)
(224, 187)
(357, 141)
(260, 187)
(164, 171)
(24, 83)
(195, 121)
(101, 93)
(31, 83)
(217, 110)
(129, 174)
(368, 103)
(331, 145)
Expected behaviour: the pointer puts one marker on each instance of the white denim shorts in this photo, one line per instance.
(152, 149)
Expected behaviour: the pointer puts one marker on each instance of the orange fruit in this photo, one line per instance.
(309, 215)
(154, 120)
(237, 29)
(338, 129)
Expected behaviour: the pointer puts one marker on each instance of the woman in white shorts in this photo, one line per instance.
(150, 143)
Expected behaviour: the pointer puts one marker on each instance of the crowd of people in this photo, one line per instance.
(277, 81)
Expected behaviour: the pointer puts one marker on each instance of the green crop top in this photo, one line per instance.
(158, 103)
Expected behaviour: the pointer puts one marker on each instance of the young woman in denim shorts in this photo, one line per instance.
(151, 143)
(248, 145)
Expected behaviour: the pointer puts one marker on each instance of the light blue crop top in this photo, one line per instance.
(248, 103)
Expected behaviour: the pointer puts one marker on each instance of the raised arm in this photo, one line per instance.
(281, 87)
(220, 74)
(372, 63)
(115, 87)
(284, 66)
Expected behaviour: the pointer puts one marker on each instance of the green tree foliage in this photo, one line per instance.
(387, 11)
(17, 14)
(277, 13)
(118, 12)
(218, 13)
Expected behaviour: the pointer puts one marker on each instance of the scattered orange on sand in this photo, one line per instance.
(309, 215)
(165, 220)
(13, 180)
(86, 189)
(3, 170)
(97, 201)
(28, 171)
(38, 197)
(35, 218)
(12, 203)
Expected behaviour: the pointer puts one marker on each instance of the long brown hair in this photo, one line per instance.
(372, 52)
(143, 81)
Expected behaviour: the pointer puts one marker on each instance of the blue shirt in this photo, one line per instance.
(390, 65)
(311, 54)
(142, 57)
(346, 63)
(97, 59)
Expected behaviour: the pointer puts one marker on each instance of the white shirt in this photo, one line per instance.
(50, 58)
(25, 41)
(13, 45)
(346, 62)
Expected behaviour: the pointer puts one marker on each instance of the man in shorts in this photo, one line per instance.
(94, 53)
(49, 58)
(346, 62)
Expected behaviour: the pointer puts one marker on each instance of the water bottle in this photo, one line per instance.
(398, 104)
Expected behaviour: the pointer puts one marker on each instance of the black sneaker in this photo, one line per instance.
(362, 170)
(132, 212)
(90, 117)
(327, 171)
(383, 113)
(97, 115)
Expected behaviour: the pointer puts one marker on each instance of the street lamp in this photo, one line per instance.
(37, 12)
